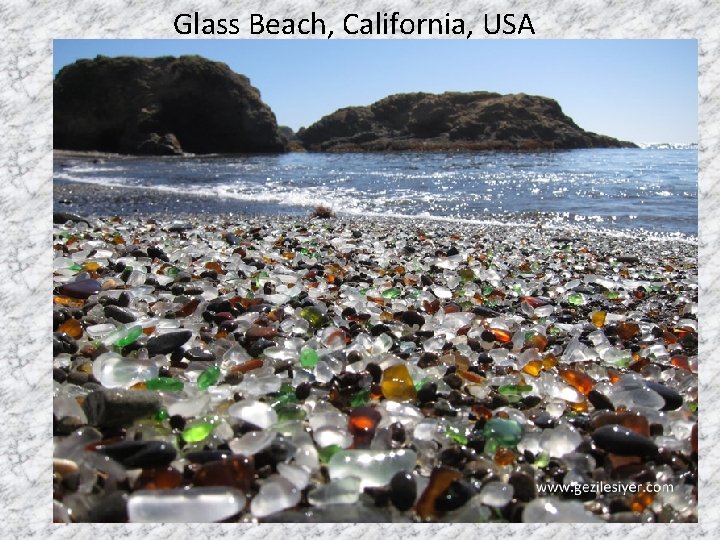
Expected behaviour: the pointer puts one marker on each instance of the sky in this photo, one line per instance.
(637, 90)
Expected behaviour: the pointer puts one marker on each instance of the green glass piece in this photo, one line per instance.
(542, 460)
(487, 290)
(456, 435)
(576, 299)
(508, 389)
(364, 291)
(289, 411)
(75, 267)
(161, 415)
(466, 274)
(208, 378)
(361, 398)
(197, 432)
(308, 358)
(612, 295)
(313, 316)
(285, 396)
(327, 452)
(392, 292)
(172, 271)
(130, 337)
(305, 251)
(693, 406)
(506, 432)
(167, 384)
(490, 447)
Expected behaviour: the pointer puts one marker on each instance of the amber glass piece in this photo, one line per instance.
(533, 367)
(188, 309)
(535, 301)
(577, 379)
(397, 383)
(249, 365)
(214, 265)
(91, 266)
(681, 362)
(362, 424)
(549, 362)
(503, 336)
(598, 318)
(579, 407)
(237, 471)
(72, 328)
(537, 341)
(480, 411)
(440, 480)
(631, 420)
(148, 330)
(627, 330)
(614, 375)
(640, 501)
(694, 438)
(160, 478)
(452, 307)
(470, 376)
(386, 316)
(67, 301)
(504, 456)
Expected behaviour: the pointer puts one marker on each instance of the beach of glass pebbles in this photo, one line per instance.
(288, 369)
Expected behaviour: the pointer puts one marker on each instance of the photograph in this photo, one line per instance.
(381, 281)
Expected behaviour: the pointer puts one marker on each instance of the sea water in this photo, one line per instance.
(620, 189)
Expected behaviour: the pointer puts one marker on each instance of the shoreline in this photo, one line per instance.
(74, 197)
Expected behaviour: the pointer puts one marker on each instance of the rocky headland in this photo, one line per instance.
(160, 106)
(453, 121)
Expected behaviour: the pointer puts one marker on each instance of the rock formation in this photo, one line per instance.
(160, 106)
(452, 121)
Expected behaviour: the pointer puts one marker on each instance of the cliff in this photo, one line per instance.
(160, 106)
(452, 121)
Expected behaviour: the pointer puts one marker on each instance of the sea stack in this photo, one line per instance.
(160, 106)
(453, 121)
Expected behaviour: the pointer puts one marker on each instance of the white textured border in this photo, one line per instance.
(26, 33)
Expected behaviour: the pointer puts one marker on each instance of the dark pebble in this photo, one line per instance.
(600, 401)
(140, 454)
(455, 496)
(119, 314)
(673, 400)
(117, 408)
(427, 393)
(59, 375)
(302, 391)
(624, 442)
(110, 508)
(544, 420)
(412, 318)
(168, 342)
(78, 377)
(403, 491)
(453, 381)
(198, 354)
(157, 253)
(82, 289)
(63, 344)
(206, 456)
(523, 484)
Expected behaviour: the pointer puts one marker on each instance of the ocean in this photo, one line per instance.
(616, 189)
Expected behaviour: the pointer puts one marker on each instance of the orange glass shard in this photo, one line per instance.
(579, 380)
